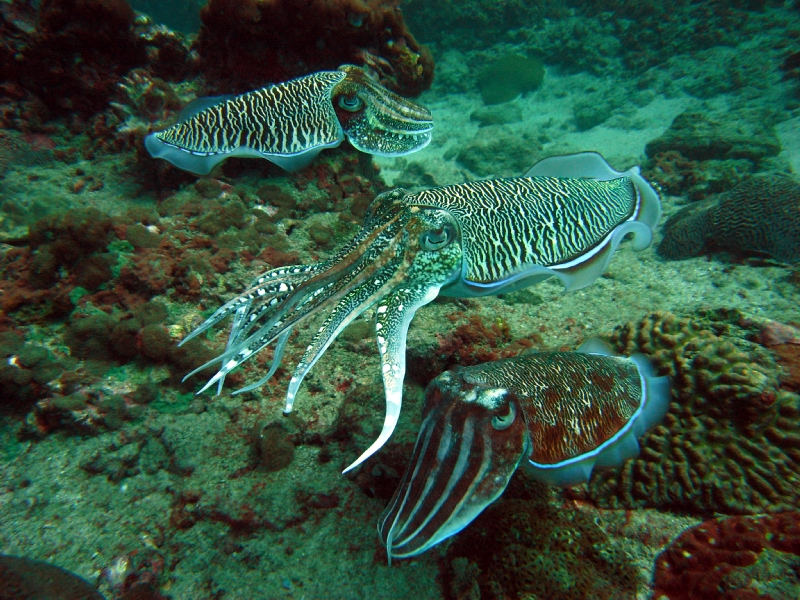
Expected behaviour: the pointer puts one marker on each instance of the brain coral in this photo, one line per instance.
(729, 442)
(760, 215)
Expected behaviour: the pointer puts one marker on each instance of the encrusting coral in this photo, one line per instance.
(527, 546)
(729, 442)
(760, 215)
(245, 44)
(733, 558)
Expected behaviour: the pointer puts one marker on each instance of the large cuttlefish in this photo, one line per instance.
(290, 123)
(565, 412)
(565, 218)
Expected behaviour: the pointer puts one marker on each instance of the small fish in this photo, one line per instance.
(559, 413)
(290, 123)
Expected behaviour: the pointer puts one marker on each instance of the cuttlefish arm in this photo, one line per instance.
(433, 259)
(559, 413)
(290, 123)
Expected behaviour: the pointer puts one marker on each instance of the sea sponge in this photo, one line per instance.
(278, 40)
(729, 442)
(508, 77)
(761, 215)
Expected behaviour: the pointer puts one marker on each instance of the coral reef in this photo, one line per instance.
(529, 547)
(508, 77)
(729, 442)
(74, 53)
(733, 558)
(472, 342)
(248, 44)
(761, 215)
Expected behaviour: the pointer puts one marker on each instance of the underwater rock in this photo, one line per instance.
(496, 115)
(733, 557)
(280, 40)
(728, 443)
(273, 445)
(508, 77)
(698, 136)
(22, 577)
(759, 216)
(695, 179)
(497, 151)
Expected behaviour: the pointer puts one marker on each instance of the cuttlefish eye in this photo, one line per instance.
(436, 239)
(353, 104)
(500, 422)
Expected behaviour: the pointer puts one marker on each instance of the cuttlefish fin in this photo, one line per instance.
(591, 165)
(392, 319)
(194, 163)
(198, 105)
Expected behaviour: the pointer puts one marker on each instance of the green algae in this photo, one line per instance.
(76, 294)
(177, 404)
(508, 77)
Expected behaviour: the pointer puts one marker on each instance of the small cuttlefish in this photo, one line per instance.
(559, 413)
(290, 123)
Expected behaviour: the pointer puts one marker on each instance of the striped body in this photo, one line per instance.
(551, 220)
(560, 413)
(290, 123)
(287, 118)
(466, 240)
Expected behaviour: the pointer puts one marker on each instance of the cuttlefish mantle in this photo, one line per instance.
(290, 123)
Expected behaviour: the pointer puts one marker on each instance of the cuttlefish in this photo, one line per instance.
(564, 218)
(559, 413)
(289, 123)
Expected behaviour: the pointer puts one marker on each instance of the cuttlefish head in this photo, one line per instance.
(471, 441)
(376, 120)
(397, 263)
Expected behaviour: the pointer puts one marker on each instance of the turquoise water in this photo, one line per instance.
(116, 470)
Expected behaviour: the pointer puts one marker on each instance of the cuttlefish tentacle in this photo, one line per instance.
(353, 305)
(290, 123)
(329, 286)
(467, 240)
(274, 285)
(434, 257)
